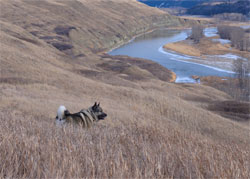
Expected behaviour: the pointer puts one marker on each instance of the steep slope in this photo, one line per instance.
(154, 128)
(82, 26)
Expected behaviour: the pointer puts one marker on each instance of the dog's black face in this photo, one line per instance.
(67, 113)
(98, 111)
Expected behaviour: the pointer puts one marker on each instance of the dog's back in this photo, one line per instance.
(85, 117)
(79, 119)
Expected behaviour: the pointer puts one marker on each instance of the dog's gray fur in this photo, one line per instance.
(85, 118)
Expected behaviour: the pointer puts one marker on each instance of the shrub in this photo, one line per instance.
(237, 36)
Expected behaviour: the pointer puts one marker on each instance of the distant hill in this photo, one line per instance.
(242, 7)
(174, 3)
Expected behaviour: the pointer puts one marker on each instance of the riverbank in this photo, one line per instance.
(209, 51)
(177, 23)
(136, 69)
(187, 25)
(206, 46)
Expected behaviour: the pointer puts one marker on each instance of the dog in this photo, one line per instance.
(85, 118)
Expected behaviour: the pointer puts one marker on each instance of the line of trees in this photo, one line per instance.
(231, 17)
(237, 36)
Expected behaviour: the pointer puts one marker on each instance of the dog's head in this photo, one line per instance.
(97, 110)
(62, 113)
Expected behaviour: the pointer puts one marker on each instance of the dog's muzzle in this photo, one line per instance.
(102, 116)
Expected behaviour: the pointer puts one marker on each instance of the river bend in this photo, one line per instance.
(150, 46)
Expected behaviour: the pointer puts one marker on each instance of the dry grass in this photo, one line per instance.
(239, 111)
(70, 23)
(36, 148)
(199, 19)
(205, 47)
(154, 128)
(229, 85)
(187, 48)
(145, 135)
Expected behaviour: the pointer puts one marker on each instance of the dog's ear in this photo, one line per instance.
(98, 104)
(95, 105)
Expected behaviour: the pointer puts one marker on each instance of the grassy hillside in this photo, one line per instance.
(81, 26)
(51, 55)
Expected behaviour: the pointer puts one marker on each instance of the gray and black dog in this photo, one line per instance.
(85, 117)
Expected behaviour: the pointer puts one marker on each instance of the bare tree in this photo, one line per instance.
(237, 36)
(242, 69)
(246, 43)
(224, 31)
(197, 33)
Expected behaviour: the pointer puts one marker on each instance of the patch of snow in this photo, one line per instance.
(222, 41)
(230, 56)
(184, 80)
(174, 55)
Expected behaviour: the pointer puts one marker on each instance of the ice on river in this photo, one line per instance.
(210, 32)
(222, 41)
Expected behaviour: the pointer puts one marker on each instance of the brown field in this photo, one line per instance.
(205, 47)
(199, 19)
(50, 55)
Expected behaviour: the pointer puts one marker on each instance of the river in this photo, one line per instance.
(150, 46)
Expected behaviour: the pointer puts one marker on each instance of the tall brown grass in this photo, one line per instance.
(35, 148)
(154, 129)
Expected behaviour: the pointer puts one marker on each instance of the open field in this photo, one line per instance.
(205, 47)
(200, 19)
(51, 54)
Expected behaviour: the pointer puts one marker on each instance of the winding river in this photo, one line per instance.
(150, 46)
